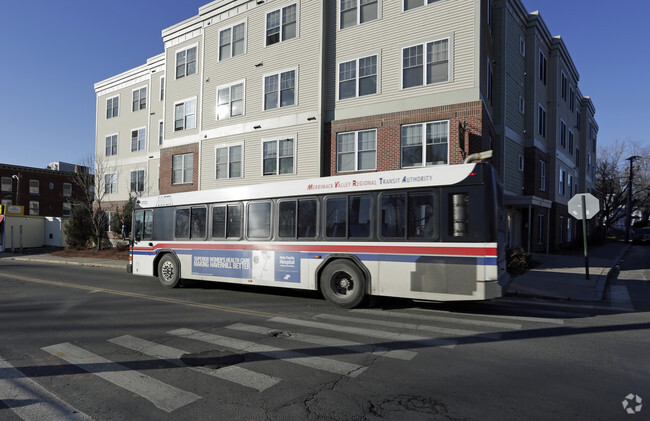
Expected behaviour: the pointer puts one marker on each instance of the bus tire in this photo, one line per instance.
(343, 283)
(169, 271)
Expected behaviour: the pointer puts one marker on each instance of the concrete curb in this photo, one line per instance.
(107, 265)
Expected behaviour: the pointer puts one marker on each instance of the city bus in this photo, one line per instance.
(434, 233)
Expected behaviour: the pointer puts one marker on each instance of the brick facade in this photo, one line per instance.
(166, 172)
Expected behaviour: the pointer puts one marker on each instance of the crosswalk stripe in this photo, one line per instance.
(320, 363)
(329, 342)
(411, 326)
(31, 401)
(235, 374)
(379, 334)
(452, 318)
(163, 396)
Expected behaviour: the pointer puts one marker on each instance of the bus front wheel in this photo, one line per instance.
(169, 271)
(343, 284)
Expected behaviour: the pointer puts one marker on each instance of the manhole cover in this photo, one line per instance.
(212, 359)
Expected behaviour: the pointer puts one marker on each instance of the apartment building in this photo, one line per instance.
(255, 91)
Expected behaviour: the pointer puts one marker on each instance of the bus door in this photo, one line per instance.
(142, 252)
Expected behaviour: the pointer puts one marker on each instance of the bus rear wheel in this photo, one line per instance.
(169, 271)
(342, 283)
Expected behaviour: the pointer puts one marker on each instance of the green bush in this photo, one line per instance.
(79, 228)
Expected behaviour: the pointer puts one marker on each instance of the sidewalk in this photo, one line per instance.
(563, 275)
(77, 261)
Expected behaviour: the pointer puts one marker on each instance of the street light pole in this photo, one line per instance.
(628, 207)
(17, 177)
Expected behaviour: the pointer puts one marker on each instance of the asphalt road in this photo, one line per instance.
(89, 343)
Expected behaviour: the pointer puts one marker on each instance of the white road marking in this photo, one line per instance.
(329, 342)
(162, 395)
(319, 363)
(380, 334)
(31, 401)
(453, 318)
(233, 373)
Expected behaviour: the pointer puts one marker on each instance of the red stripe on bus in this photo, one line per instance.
(421, 250)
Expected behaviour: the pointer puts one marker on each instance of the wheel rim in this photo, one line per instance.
(342, 283)
(167, 271)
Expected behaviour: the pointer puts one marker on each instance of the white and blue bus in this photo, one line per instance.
(434, 233)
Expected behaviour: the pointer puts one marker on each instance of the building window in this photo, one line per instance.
(34, 207)
(569, 185)
(572, 98)
(577, 119)
(356, 12)
(415, 73)
(522, 105)
(111, 145)
(358, 77)
(161, 132)
(112, 107)
(561, 182)
(356, 151)
(541, 121)
(543, 64)
(229, 162)
(67, 208)
(230, 100)
(7, 184)
(280, 90)
(281, 25)
(521, 162)
(185, 115)
(571, 142)
(162, 88)
(542, 175)
(490, 80)
(138, 140)
(67, 189)
(412, 4)
(110, 183)
(139, 99)
(540, 229)
(522, 46)
(137, 181)
(563, 86)
(232, 41)
(562, 134)
(186, 62)
(34, 187)
(425, 144)
(277, 157)
(182, 168)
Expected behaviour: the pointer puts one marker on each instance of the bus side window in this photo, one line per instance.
(147, 233)
(139, 225)
(307, 213)
(359, 215)
(422, 220)
(287, 219)
(198, 222)
(219, 222)
(336, 208)
(393, 215)
(459, 220)
(182, 223)
(259, 220)
(233, 221)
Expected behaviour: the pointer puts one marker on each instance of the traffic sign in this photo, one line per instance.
(591, 204)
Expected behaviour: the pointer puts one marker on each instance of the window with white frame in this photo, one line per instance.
(6, 202)
(562, 133)
(281, 24)
(412, 4)
(110, 183)
(183, 168)
(137, 181)
(229, 160)
(138, 139)
(185, 62)
(415, 72)
(425, 144)
(67, 209)
(112, 107)
(34, 187)
(111, 145)
(7, 184)
(161, 132)
(542, 175)
(569, 185)
(185, 115)
(541, 121)
(543, 67)
(356, 151)
(356, 12)
(280, 90)
(278, 156)
(561, 182)
(230, 100)
(358, 77)
(162, 88)
(139, 99)
(67, 189)
(34, 207)
(232, 41)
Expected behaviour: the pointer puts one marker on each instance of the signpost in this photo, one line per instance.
(584, 206)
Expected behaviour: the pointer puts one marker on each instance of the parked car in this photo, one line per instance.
(642, 235)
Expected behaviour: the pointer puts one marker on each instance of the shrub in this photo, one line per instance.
(517, 261)
(78, 229)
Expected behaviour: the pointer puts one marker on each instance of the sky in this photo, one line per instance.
(54, 52)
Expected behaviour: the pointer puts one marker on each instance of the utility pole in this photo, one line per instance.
(628, 207)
